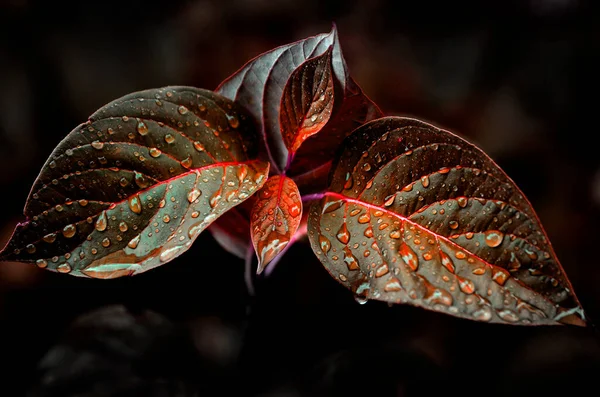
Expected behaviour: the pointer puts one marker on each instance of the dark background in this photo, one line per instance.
(518, 78)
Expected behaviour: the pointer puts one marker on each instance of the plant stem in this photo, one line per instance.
(313, 196)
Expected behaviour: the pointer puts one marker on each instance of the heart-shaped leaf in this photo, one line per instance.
(275, 218)
(259, 87)
(133, 187)
(417, 215)
(307, 101)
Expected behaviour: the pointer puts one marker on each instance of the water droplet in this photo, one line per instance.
(154, 152)
(427, 256)
(364, 218)
(182, 109)
(349, 181)
(169, 138)
(425, 181)
(409, 256)
(295, 210)
(234, 122)
(30, 248)
(134, 242)
(59, 208)
(142, 128)
(389, 200)
(368, 232)
(97, 145)
(493, 238)
(350, 259)
(214, 200)
(382, 270)
(52, 164)
(123, 227)
(195, 214)
(166, 219)
(395, 234)
(63, 268)
(123, 182)
(367, 167)
(483, 314)
(41, 263)
(466, 285)
(187, 162)
(462, 201)
(392, 285)
(101, 222)
(500, 276)
(198, 146)
(508, 315)
(193, 195)
(69, 231)
(460, 255)
(135, 204)
(343, 277)
(105, 242)
(453, 225)
(324, 243)
(141, 180)
(343, 235)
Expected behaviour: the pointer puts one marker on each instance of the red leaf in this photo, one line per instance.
(417, 215)
(259, 87)
(275, 218)
(132, 188)
(307, 101)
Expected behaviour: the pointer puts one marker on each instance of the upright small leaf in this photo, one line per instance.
(133, 187)
(259, 88)
(307, 101)
(276, 216)
(417, 215)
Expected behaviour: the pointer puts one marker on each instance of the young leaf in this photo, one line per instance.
(417, 215)
(307, 101)
(275, 218)
(259, 87)
(132, 188)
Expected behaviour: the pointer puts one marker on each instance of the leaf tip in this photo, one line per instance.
(269, 252)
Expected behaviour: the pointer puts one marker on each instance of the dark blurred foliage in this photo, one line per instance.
(518, 78)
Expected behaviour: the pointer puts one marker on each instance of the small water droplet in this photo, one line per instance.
(364, 218)
(392, 285)
(105, 242)
(466, 285)
(500, 276)
(214, 200)
(460, 255)
(367, 167)
(97, 145)
(409, 256)
(453, 225)
(349, 181)
(182, 109)
(69, 231)
(123, 227)
(154, 152)
(382, 270)
(425, 181)
(134, 242)
(187, 162)
(462, 201)
(295, 210)
(350, 259)
(63, 268)
(195, 214)
(52, 164)
(41, 263)
(389, 200)
(234, 122)
(169, 138)
(368, 232)
(166, 219)
(395, 234)
(30, 248)
(123, 182)
(508, 315)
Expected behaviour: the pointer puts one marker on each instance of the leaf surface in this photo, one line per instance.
(307, 101)
(259, 87)
(275, 216)
(418, 215)
(133, 187)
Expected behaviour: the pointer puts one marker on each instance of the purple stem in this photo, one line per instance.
(313, 196)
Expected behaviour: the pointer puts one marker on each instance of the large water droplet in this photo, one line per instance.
(295, 210)
(69, 231)
(350, 259)
(169, 253)
(101, 222)
(447, 262)
(462, 201)
(483, 314)
(392, 285)
(493, 238)
(324, 243)
(134, 242)
(343, 235)
(365, 218)
(382, 270)
(409, 256)
(154, 152)
(63, 268)
(135, 204)
(466, 285)
(500, 275)
(193, 195)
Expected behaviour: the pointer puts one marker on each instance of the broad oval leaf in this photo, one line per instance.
(259, 87)
(307, 101)
(418, 215)
(132, 187)
(275, 218)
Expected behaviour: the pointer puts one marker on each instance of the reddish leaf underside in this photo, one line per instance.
(307, 101)
(275, 218)
(259, 87)
(417, 215)
(133, 187)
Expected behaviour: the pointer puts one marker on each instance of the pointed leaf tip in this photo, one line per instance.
(275, 218)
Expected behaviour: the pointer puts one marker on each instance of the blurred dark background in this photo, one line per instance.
(518, 78)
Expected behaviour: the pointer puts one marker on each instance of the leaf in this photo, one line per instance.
(417, 215)
(275, 218)
(307, 101)
(133, 187)
(259, 88)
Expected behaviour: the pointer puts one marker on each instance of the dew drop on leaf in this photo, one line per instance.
(69, 231)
